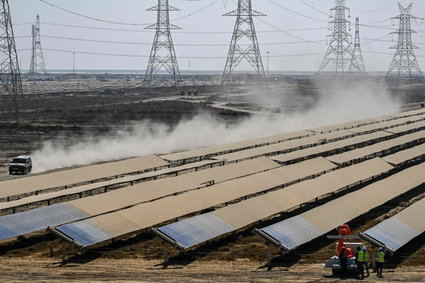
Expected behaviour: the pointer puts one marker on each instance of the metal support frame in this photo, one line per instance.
(163, 55)
(339, 57)
(244, 44)
(11, 92)
(37, 65)
(166, 238)
(404, 64)
(283, 249)
(357, 52)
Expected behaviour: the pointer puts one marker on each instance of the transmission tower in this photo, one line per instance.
(339, 57)
(244, 43)
(357, 51)
(37, 65)
(10, 77)
(404, 64)
(162, 56)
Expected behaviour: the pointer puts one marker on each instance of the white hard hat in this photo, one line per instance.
(380, 249)
(363, 248)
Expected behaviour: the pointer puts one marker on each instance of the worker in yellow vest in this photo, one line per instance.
(366, 260)
(359, 263)
(380, 259)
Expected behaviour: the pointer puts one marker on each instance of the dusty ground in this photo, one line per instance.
(139, 270)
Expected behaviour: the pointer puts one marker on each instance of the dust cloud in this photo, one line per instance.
(334, 102)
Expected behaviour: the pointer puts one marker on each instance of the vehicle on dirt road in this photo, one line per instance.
(20, 165)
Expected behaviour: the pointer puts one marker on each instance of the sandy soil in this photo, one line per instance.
(139, 270)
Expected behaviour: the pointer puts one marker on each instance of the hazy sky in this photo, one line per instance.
(206, 27)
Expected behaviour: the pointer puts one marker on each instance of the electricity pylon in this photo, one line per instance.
(37, 65)
(162, 56)
(340, 56)
(357, 51)
(10, 76)
(404, 64)
(244, 43)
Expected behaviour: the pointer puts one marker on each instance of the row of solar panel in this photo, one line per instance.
(77, 233)
(323, 219)
(228, 148)
(198, 229)
(290, 147)
(111, 225)
(31, 184)
(295, 231)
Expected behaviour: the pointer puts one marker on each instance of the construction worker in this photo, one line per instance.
(380, 259)
(343, 261)
(359, 263)
(366, 260)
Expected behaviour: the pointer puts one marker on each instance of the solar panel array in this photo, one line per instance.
(111, 225)
(35, 219)
(295, 231)
(395, 232)
(198, 229)
(250, 190)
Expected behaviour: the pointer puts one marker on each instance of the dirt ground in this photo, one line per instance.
(140, 270)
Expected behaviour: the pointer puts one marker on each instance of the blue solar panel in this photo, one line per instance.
(293, 232)
(22, 223)
(393, 232)
(84, 233)
(197, 229)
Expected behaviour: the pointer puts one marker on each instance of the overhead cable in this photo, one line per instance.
(127, 24)
(147, 56)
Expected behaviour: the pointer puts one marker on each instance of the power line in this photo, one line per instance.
(146, 56)
(289, 34)
(146, 43)
(127, 24)
(297, 13)
(177, 31)
(314, 8)
(89, 17)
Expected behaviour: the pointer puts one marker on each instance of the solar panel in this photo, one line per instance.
(149, 214)
(246, 212)
(38, 219)
(196, 229)
(402, 156)
(323, 219)
(400, 229)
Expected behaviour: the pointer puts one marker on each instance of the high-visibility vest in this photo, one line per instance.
(360, 257)
(381, 257)
(366, 256)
